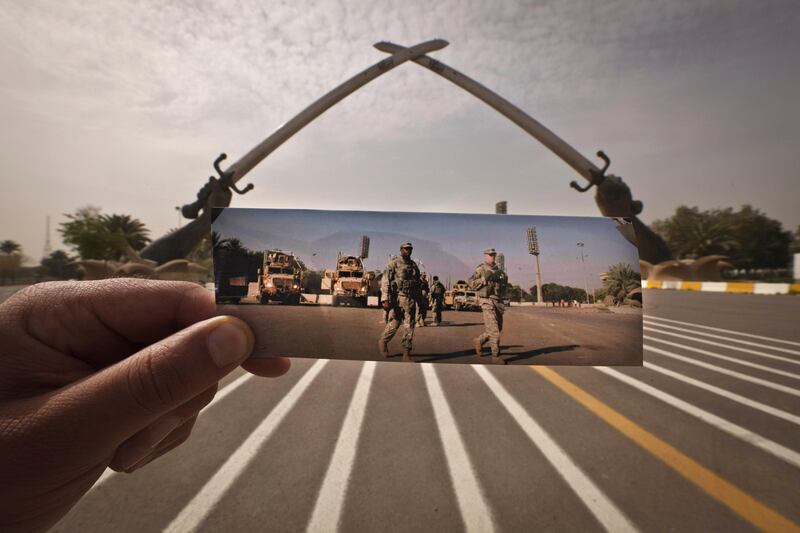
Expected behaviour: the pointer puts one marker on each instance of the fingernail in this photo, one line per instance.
(143, 444)
(229, 342)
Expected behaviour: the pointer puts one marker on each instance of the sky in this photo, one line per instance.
(124, 105)
(447, 245)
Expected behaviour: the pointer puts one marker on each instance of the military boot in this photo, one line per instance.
(497, 360)
(407, 354)
(478, 346)
(383, 348)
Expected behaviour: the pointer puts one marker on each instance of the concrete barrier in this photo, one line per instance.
(737, 287)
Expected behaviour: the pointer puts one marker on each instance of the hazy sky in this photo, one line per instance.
(447, 245)
(125, 105)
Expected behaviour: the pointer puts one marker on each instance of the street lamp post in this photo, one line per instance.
(583, 267)
(533, 249)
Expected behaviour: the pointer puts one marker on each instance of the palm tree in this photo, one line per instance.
(9, 247)
(133, 230)
(621, 280)
(231, 244)
(97, 236)
(10, 260)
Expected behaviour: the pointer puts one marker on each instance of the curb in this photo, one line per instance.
(736, 287)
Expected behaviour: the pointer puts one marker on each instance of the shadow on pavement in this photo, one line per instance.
(446, 325)
(469, 352)
(541, 351)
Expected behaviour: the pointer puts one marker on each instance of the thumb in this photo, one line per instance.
(124, 398)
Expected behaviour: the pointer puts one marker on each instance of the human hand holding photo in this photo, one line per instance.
(104, 374)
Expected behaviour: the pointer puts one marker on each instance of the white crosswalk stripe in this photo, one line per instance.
(193, 514)
(729, 331)
(608, 514)
(727, 338)
(330, 501)
(660, 329)
(715, 355)
(732, 373)
(725, 393)
(769, 446)
(475, 511)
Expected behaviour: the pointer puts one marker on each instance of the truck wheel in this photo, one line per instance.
(457, 307)
(264, 299)
(334, 301)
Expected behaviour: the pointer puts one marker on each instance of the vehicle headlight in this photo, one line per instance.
(269, 284)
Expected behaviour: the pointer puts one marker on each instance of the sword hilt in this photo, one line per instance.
(224, 180)
(598, 176)
(226, 176)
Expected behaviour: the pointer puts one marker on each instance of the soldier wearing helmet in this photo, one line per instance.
(400, 292)
(490, 282)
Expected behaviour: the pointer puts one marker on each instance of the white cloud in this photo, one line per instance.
(104, 95)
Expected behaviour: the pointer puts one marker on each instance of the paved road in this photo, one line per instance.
(705, 437)
(531, 335)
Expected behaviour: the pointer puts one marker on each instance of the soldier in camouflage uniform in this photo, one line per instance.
(437, 300)
(400, 292)
(425, 289)
(490, 282)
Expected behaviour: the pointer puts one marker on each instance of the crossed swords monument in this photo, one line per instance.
(613, 196)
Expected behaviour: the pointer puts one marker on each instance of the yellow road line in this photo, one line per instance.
(721, 490)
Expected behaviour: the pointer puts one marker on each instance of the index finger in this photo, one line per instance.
(104, 321)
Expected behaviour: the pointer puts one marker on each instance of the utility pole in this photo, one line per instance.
(583, 266)
(48, 247)
(533, 249)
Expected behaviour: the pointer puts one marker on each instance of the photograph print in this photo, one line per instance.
(431, 287)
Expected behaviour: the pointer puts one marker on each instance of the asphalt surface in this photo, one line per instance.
(705, 437)
(531, 335)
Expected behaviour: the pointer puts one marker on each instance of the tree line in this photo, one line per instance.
(618, 284)
(748, 237)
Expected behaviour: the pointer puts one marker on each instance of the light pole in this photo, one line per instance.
(583, 267)
(533, 249)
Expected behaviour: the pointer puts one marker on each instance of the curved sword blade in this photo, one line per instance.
(246, 163)
(558, 146)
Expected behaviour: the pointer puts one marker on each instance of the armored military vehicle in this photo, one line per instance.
(231, 289)
(461, 298)
(234, 271)
(349, 282)
(281, 278)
